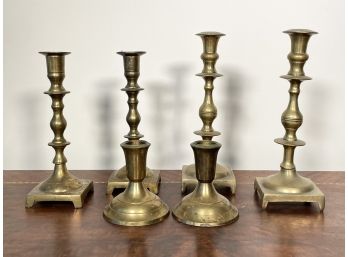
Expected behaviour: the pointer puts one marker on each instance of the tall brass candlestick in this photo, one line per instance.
(288, 185)
(136, 206)
(118, 178)
(207, 112)
(61, 185)
(205, 207)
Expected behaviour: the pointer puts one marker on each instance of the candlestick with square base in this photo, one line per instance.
(288, 186)
(61, 185)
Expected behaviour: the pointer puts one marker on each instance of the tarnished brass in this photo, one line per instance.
(207, 112)
(61, 185)
(118, 178)
(288, 185)
(205, 207)
(136, 206)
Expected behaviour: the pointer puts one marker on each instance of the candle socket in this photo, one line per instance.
(205, 207)
(118, 178)
(288, 186)
(224, 177)
(136, 206)
(61, 185)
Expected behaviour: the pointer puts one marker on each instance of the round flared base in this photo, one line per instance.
(204, 207)
(134, 212)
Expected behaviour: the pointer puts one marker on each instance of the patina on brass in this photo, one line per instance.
(136, 206)
(118, 178)
(205, 207)
(288, 185)
(224, 177)
(61, 185)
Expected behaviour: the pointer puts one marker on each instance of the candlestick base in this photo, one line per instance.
(297, 189)
(77, 196)
(136, 206)
(205, 207)
(224, 178)
(118, 179)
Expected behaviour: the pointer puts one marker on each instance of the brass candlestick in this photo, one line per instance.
(118, 178)
(136, 206)
(287, 185)
(62, 185)
(207, 112)
(205, 207)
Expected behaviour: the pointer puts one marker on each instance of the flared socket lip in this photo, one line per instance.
(210, 33)
(131, 53)
(131, 145)
(206, 144)
(50, 53)
(300, 31)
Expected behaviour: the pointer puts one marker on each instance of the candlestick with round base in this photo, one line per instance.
(61, 185)
(205, 207)
(224, 177)
(136, 206)
(288, 186)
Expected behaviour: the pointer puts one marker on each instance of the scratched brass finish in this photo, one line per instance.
(288, 185)
(205, 207)
(208, 112)
(118, 178)
(136, 206)
(61, 185)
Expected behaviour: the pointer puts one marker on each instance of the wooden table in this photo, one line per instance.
(57, 229)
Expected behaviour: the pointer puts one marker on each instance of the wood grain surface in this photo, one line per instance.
(57, 229)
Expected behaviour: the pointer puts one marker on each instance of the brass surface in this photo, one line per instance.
(208, 112)
(224, 178)
(136, 206)
(118, 178)
(288, 185)
(61, 185)
(205, 207)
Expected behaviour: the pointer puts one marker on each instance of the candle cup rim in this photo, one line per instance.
(50, 53)
(300, 31)
(210, 33)
(129, 145)
(201, 144)
(131, 53)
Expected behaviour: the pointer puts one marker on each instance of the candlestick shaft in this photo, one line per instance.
(292, 117)
(131, 61)
(56, 75)
(55, 63)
